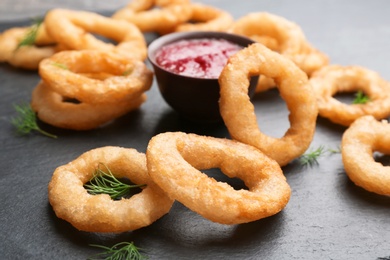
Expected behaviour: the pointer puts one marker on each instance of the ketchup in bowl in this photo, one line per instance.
(187, 66)
(199, 58)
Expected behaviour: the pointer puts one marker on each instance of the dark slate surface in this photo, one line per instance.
(327, 217)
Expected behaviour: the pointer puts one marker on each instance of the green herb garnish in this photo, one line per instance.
(31, 35)
(127, 72)
(335, 150)
(123, 250)
(27, 121)
(60, 65)
(311, 157)
(104, 182)
(360, 98)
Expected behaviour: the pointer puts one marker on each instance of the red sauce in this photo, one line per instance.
(200, 58)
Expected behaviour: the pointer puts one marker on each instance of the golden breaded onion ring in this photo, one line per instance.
(57, 110)
(238, 112)
(67, 73)
(75, 30)
(174, 161)
(273, 31)
(206, 18)
(26, 57)
(155, 15)
(334, 79)
(365, 136)
(282, 36)
(99, 213)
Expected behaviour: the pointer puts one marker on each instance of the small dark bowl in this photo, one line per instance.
(194, 98)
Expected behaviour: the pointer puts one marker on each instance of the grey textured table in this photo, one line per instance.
(327, 217)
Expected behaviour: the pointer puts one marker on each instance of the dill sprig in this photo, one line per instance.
(31, 35)
(104, 182)
(311, 156)
(127, 72)
(26, 121)
(123, 250)
(60, 65)
(334, 150)
(360, 98)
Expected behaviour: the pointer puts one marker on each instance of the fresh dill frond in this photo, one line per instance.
(104, 182)
(334, 150)
(311, 156)
(360, 98)
(26, 121)
(60, 65)
(31, 35)
(123, 250)
(127, 72)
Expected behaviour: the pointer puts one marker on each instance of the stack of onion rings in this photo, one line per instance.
(118, 88)
(75, 29)
(335, 78)
(99, 213)
(126, 79)
(148, 18)
(282, 36)
(173, 160)
(365, 136)
(238, 112)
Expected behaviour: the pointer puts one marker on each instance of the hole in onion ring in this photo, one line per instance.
(219, 176)
(344, 97)
(353, 97)
(126, 181)
(268, 113)
(71, 100)
(382, 158)
(105, 182)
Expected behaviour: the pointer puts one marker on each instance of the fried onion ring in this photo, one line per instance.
(282, 36)
(65, 73)
(206, 18)
(57, 110)
(155, 15)
(310, 59)
(365, 136)
(173, 160)
(99, 213)
(74, 29)
(335, 78)
(238, 112)
(26, 57)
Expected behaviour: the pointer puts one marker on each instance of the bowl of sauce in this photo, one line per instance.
(187, 66)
